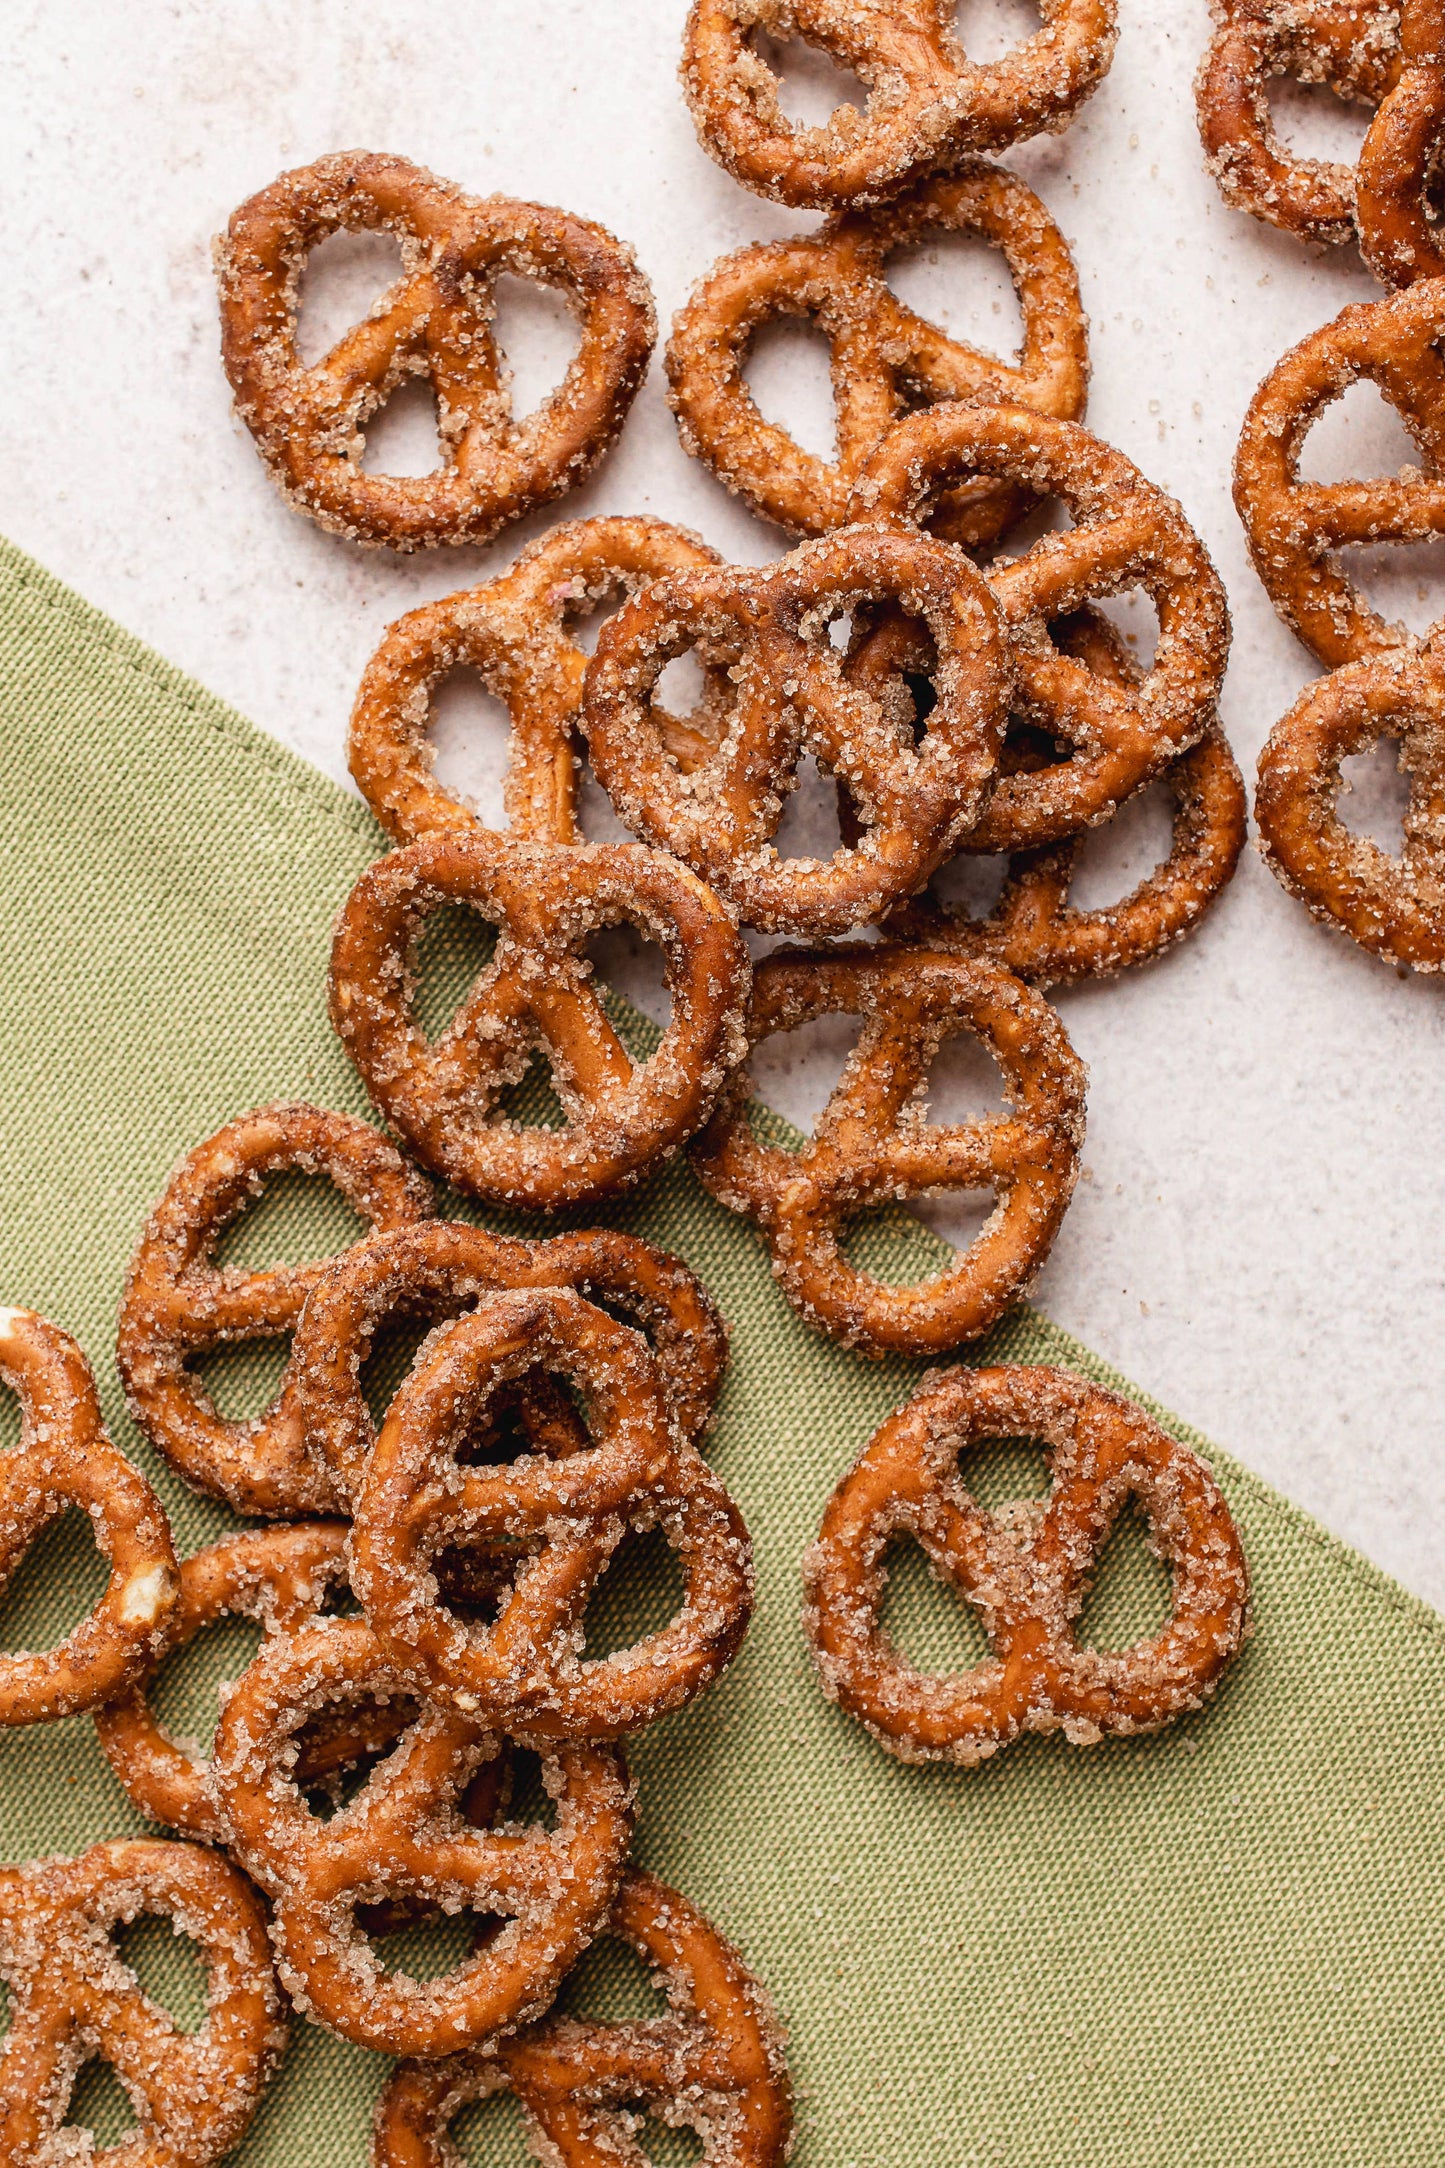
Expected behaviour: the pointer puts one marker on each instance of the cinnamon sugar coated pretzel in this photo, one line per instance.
(74, 1997)
(884, 355)
(436, 322)
(65, 1458)
(713, 2064)
(1024, 1571)
(178, 1305)
(1399, 239)
(873, 1143)
(927, 102)
(537, 991)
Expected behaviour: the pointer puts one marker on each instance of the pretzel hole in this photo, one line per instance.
(527, 1802)
(631, 967)
(342, 280)
(1360, 435)
(453, 947)
(642, 1590)
(611, 1985)
(491, 2133)
(895, 1244)
(1131, 1592)
(788, 371)
(795, 1073)
(810, 828)
(811, 84)
(532, 1102)
(668, 2145)
(9, 1420)
(926, 1618)
(538, 337)
(1375, 795)
(960, 283)
(970, 883)
(57, 1583)
(169, 1966)
(1124, 851)
(402, 436)
(1134, 618)
(470, 734)
(100, 2104)
(1402, 580)
(1314, 121)
(242, 1381)
(429, 1948)
(185, 1693)
(295, 1219)
(393, 1352)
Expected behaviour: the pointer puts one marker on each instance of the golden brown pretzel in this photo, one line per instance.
(1127, 533)
(441, 1269)
(514, 634)
(884, 355)
(1296, 527)
(872, 1143)
(65, 1458)
(178, 1306)
(714, 2064)
(1399, 238)
(404, 1835)
(1352, 45)
(74, 1997)
(722, 817)
(927, 101)
(524, 1671)
(537, 991)
(436, 321)
(1024, 1571)
(1392, 906)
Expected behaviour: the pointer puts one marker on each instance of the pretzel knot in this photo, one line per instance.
(1399, 238)
(884, 356)
(927, 102)
(74, 1997)
(65, 1458)
(723, 815)
(1024, 1571)
(525, 1670)
(873, 1143)
(179, 1306)
(537, 992)
(1294, 527)
(713, 2064)
(405, 1836)
(436, 322)
(1127, 534)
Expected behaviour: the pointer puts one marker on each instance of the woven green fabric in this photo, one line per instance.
(1221, 1945)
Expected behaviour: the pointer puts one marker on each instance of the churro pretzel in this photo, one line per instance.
(436, 322)
(1392, 906)
(444, 1268)
(1024, 1570)
(1351, 45)
(713, 2064)
(873, 1143)
(884, 356)
(927, 102)
(178, 1306)
(722, 817)
(65, 1458)
(525, 1670)
(73, 1997)
(1127, 533)
(404, 1836)
(1399, 161)
(1295, 527)
(537, 992)
(515, 634)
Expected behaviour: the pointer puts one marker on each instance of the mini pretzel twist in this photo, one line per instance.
(526, 1671)
(927, 102)
(193, 2093)
(65, 1458)
(722, 816)
(884, 355)
(713, 2064)
(178, 1306)
(404, 1836)
(436, 322)
(537, 992)
(1294, 527)
(1024, 1571)
(1352, 45)
(873, 1143)
(1127, 533)
(1399, 238)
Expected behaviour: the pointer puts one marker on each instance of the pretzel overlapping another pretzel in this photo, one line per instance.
(1399, 236)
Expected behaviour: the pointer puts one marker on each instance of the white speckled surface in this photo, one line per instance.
(1258, 1241)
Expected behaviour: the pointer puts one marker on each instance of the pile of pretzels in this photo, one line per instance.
(422, 1554)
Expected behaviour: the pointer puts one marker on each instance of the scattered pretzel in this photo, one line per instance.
(1294, 527)
(927, 102)
(525, 1672)
(537, 991)
(722, 817)
(73, 1996)
(404, 1836)
(713, 2065)
(65, 1458)
(178, 1306)
(1399, 239)
(1394, 907)
(873, 1143)
(1024, 1571)
(1352, 45)
(884, 355)
(435, 322)
(438, 1270)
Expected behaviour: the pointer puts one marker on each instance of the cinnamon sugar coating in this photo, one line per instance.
(1399, 159)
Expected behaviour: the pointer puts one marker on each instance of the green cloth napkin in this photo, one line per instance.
(1220, 1945)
